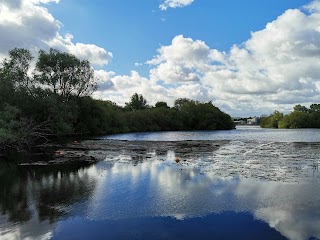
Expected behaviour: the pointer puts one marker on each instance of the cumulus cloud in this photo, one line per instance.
(124, 86)
(313, 6)
(96, 55)
(183, 61)
(103, 79)
(175, 4)
(276, 68)
(28, 24)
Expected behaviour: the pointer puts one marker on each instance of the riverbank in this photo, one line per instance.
(90, 151)
(270, 161)
(99, 186)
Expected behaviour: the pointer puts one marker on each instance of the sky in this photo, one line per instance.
(248, 57)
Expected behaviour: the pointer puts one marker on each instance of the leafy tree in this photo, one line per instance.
(16, 131)
(14, 74)
(161, 104)
(315, 108)
(195, 115)
(272, 121)
(181, 103)
(55, 101)
(285, 122)
(65, 74)
(137, 102)
(315, 115)
(299, 108)
(10, 125)
(15, 69)
(301, 117)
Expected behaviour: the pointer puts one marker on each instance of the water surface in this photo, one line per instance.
(242, 133)
(135, 194)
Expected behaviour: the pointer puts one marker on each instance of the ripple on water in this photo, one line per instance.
(272, 161)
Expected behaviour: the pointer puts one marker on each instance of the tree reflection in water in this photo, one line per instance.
(145, 187)
(13, 194)
(47, 192)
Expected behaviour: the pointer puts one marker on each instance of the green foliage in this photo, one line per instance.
(65, 74)
(15, 130)
(98, 117)
(137, 102)
(15, 69)
(161, 104)
(272, 121)
(301, 117)
(299, 108)
(10, 124)
(186, 115)
(314, 108)
(14, 75)
(202, 116)
(29, 114)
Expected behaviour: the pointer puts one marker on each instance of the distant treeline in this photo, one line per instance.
(54, 100)
(301, 117)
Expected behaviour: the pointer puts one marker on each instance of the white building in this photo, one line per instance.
(252, 121)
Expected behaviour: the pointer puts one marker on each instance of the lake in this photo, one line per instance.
(242, 133)
(252, 183)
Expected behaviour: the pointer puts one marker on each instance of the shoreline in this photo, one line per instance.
(92, 151)
(268, 161)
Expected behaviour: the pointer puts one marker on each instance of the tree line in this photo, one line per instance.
(53, 98)
(300, 117)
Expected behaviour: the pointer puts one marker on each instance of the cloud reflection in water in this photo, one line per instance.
(128, 187)
(157, 188)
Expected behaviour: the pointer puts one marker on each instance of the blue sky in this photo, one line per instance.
(248, 57)
(133, 30)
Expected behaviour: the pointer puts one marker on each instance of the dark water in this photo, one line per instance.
(155, 198)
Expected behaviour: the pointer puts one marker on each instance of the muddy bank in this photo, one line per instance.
(272, 161)
(91, 151)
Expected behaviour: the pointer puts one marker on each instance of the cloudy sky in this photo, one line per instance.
(248, 57)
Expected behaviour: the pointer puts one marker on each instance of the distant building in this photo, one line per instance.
(252, 121)
(240, 122)
(246, 121)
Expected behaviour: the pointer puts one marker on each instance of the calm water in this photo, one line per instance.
(242, 133)
(153, 197)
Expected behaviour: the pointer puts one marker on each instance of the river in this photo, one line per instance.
(253, 184)
(242, 133)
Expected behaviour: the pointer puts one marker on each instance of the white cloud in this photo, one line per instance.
(175, 4)
(182, 61)
(122, 87)
(275, 69)
(313, 6)
(28, 24)
(125, 86)
(96, 55)
(103, 79)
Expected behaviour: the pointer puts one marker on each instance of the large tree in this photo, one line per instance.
(137, 102)
(161, 105)
(14, 74)
(65, 74)
(315, 108)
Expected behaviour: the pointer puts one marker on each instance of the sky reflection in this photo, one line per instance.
(144, 190)
(162, 188)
